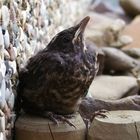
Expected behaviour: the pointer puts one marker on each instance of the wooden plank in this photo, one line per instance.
(64, 131)
(119, 125)
(35, 128)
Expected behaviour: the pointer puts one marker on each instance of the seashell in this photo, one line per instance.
(0, 17)
(7, 94)
(24, 4)
(11, 52)
(2, 68)
(15, 29)
(12, 67)
(2, 94)
(28, 50)
(16, 42)
(1, 3)
(30, 30)
(46, 23)
(15, 51)
(1, 40)
(28, 9)
(21, 34)
(10, 101)
(23, 18)
(36, 36)
(2, 136)
(2, 124)
(33, 45)
(12, 13)
(6, 55)
(5, 17)
(38, 47)
(36, 10)
(1, 113)
(42, 9)
(1, 78)
(6, 39)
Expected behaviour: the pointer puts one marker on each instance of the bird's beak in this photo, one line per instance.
(80, 28)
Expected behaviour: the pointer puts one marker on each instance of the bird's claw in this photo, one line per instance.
(51, 116)
(99, 113)
(64, 119)
(55, 118)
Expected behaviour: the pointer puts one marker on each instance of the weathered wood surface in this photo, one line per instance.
(119, 125)
(35, 128)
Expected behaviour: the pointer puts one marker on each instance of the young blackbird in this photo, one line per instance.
(55, 80)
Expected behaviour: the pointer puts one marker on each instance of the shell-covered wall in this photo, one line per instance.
(26, 26)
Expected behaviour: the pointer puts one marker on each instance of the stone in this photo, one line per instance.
(131, 7)
(106, 31)
(107, 87)
(2, 124)
(97, 25)
(133, 30)
(133, 52)
(117, 60)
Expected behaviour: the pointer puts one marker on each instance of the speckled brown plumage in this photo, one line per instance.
(56, 78)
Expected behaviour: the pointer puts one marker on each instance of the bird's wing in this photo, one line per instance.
(42, 68)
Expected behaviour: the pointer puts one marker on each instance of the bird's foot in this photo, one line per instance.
(98, 113)
(56, 117)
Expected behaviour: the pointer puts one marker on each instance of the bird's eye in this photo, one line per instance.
(66, 40)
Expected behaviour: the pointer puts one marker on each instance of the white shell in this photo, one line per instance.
(7, 94)
(30, 30)
(2, 124)
(1, 40)
(15, 51)
(22, 35)
(11, 101)
(23, 17)
(6, 39)
(43, 9)
(13, 65)
(6, 54)
(3, 86)
(2, 97)
(2, 136)
(5, 17)
(2, 68)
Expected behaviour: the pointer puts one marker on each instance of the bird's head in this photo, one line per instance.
(71, 39)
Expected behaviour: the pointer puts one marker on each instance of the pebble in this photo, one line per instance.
(133, 52)
(131, 7)
(104, 31)
(133, 30)
(113, 87)
(117, 60)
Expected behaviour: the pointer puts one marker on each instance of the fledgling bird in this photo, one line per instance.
(55, 80)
